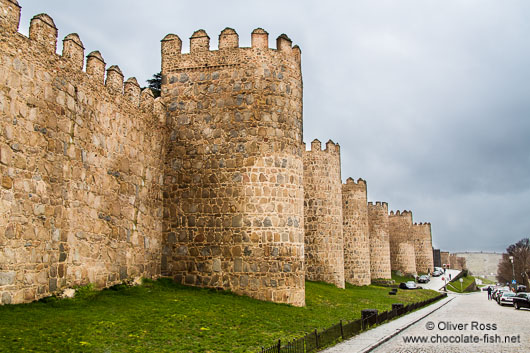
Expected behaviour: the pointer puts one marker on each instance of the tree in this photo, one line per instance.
(155, 84)
(521, 263)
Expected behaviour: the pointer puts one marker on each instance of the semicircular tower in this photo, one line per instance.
(379, 242)
(422, 237)
(234, 193)
(356, 233)
(324, 252)
(402, 256)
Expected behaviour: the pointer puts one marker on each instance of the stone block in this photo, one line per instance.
(7, 278)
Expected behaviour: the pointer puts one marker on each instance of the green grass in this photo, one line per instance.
(400, 279)
(455, 286)
(162, 316)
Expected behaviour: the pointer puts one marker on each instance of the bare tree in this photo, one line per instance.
(520, 253)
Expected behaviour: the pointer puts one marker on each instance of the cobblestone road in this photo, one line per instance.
(490, 328)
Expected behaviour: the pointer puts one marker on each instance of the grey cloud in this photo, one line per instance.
(428, 99)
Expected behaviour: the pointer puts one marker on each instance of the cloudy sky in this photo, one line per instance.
(429, 100)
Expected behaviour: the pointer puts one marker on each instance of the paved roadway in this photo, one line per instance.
(437, 283)
(459, 318)
(467, 316)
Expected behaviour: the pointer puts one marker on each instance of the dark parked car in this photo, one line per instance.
(409, 285)
(423, 279)
(521, 300)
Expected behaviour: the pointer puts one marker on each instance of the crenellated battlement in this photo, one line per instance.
(9, 15)
(378, 204)
(229, 52)
(351, 181)
(398, 213)
(316, 147)
(43, 35)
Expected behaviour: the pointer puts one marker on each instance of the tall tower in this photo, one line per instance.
(422, 238)
(233, 176)
(324, 252)
(379, 242)
(356, 232)
(402, 256)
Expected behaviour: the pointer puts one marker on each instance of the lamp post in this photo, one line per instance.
(513, 272)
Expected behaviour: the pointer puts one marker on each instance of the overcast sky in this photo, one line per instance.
(429, 100)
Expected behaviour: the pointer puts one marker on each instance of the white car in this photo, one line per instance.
(506, 298)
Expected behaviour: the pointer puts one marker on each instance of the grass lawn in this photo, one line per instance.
(455, 286)
(162, 316)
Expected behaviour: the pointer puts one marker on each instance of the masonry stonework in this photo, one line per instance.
(401, 242)
(209, 184)
(356, 232)
(444, 255)
(379, 240)
(80, 198)
(233, 214)
(324, 251)
(422, 238)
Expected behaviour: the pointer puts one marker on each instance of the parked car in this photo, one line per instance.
(409, 285)
(498, 291)
(423, 279)
(521, 300)
(506, 298)
(437, 273)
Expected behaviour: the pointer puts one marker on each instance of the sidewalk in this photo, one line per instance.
(367, 341)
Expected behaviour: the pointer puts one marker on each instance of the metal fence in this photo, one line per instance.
(315, 340)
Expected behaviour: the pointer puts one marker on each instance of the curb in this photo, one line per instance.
(387, 338)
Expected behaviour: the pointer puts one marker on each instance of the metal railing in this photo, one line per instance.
(315, 340)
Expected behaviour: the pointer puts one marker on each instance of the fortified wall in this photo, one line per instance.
(80, 158)
(457, 262)
(402, 257)
(422, 238)
(379, 240)
(234, 216)
(356, 232)
(324, 251)
(444, 255)
(209, 184)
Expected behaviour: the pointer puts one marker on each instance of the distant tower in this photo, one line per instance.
(324, 252)
(402, 257)
(422, 238)
(233, 178)
(379, 242)
(356, 233)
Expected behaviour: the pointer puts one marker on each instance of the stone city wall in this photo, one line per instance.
(422, 238)
(324, 251)
(234, 216)
(80, 158)
(444, 255)
(101, 183)
(379, 240)
(356, 232)
(400, 234)
(457, 262)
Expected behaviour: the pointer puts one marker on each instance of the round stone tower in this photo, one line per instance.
(422, 237)
(233, 196)
(356, 233)
(402, 256)
(379, 242)
(324, 252)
